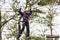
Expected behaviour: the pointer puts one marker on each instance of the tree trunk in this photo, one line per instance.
(50, 23)
(19, 27)
(51, 33)
(51, 26)
(0, 26)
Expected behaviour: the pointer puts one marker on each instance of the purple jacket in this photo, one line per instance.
(25, 15)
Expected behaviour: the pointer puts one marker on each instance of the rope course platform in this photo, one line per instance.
(53, 36)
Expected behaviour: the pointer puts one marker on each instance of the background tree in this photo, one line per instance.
(0, 24)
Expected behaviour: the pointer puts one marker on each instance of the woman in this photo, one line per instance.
(25, 16)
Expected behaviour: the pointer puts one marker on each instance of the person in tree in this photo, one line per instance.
(25, 15)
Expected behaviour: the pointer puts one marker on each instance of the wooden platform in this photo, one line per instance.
(52, 36)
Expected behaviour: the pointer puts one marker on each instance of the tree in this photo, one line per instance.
(0, 22)
(35, 12)
(0, 26)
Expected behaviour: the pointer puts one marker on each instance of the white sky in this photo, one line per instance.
(35, 27)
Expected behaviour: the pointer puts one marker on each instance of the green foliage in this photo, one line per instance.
(36, 38)
(27, 1)
(33, 38)
(46, 2)
(48, 38)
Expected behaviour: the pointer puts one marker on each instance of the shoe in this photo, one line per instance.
(18, 36)
(28, 38)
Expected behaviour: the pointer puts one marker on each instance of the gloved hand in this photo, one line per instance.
(20, 9)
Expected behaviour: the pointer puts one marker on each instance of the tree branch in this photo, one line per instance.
(9, 19)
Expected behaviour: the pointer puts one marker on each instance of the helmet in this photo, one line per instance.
(26, 10)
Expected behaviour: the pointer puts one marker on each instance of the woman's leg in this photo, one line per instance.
(20, 32)
(27, 29)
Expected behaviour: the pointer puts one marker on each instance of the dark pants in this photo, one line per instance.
(25, 24)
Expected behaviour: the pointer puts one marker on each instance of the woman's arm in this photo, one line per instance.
(20, 11)
(30, 12)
